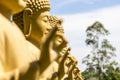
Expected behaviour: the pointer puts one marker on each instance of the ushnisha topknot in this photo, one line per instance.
(55, 20)
(38, 5)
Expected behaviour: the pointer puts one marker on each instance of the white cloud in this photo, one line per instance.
(76, 24)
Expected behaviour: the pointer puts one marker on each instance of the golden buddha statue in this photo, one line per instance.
(77, 73)
(12, 41)
(33, 21)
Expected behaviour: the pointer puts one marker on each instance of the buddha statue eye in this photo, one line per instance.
(45, 21)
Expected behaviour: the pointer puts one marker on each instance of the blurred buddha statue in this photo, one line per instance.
(33, 22)
(77, 74)
(12, 41)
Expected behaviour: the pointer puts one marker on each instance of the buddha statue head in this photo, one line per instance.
(59, 41)
(77, 73)
(76, 70)
(33, 20)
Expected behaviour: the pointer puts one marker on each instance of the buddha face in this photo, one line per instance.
(59, 41)
(41, 25)
(69, 61)
(76, 70)
(14, 6)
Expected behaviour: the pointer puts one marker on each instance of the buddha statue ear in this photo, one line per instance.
(27, 22)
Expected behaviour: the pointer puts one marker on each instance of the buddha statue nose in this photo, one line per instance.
(49, 28)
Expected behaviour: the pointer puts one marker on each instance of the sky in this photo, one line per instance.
(79, 14)
(79, 6)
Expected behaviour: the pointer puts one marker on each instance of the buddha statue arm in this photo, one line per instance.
(70, 73)
(61, 68)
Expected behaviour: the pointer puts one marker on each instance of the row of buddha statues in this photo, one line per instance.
(32, 43)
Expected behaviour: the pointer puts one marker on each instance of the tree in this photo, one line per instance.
(100, 63)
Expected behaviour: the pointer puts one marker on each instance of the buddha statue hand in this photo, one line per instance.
(61, 68)
(70, 72)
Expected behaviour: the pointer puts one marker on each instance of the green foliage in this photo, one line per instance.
(99, 62)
